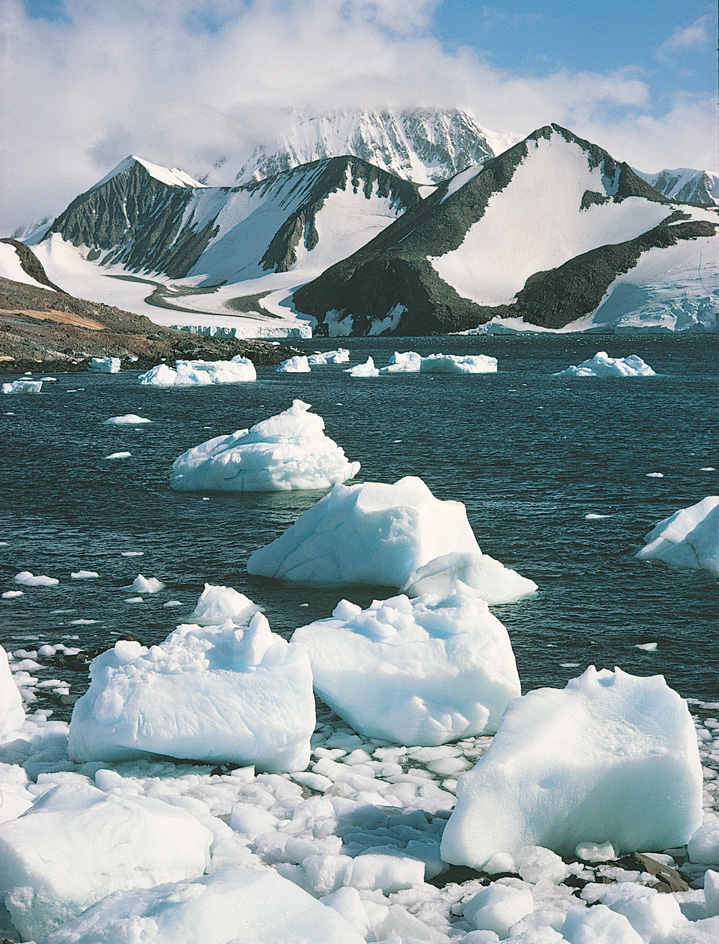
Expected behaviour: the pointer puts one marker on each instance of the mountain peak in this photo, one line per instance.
(172, 177)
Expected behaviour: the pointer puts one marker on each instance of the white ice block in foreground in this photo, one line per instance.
(77, 844)
(22, 386)
(200, 373)
(231, 905)
(475, 572)
(105, 365)
(415, 672)
(367, 534)
(217, 694)
(610, 758)
(688, 538)
(602, 365)
(287, 451)
(12, 713)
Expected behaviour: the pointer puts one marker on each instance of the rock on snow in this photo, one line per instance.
(475, 572)
(602, 365)
(287, 451)
(414, 672)
(688, 538)
(367, 534)
(610, 758)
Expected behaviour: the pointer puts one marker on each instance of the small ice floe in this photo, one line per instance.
(413, 672)
(294, 365)
(143, 584)
(173, 603)
(132, 553)
(22, 386)
(134, 599)
(31, 580)
(84, 574)
(12, 713)
(105, 365)
(11, 594)
(215, 693)
(49, 379)
(470, 572)
(76, 844)
(129, 419)
(200, 373)
(602, 365)
(83, 622)
(286, 451)
(595, 517)
(339, 356)
(119, 455)
(363, 370)
(647, 646)
(688, 538)
(367, 534)
(655, 475)
(707, 468)
(610, 758)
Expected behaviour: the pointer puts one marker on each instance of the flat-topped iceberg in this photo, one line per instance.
(298, 364)
(688, 538)
(610, 758)
(22, 386)
(415, 672)
(602, 365)
(12, 713)
(105, 365)
(410, 362)
(321, 359)
(77, 844)
(200, 373)
(287, 451)
(367, 534)
(469, 571)
(214, 693)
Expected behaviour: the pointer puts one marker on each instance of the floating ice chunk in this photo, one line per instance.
(363, 370)
(159, 376)
(119, 455)
(593, 517)
(655, 475)
(497, 907)
(200, 373)
(233, 904)
(703, 847)
(215, 693)
(385, 873)
(647, 646)
(84, 574)
(77, 844)
(423, 671)
(146, 584)
(340, 356)
(403, 362)
(688, 538)
(31, 580)
(602, 365)
(294, 365)
(12, 714)
(598, 925)
(129, 419)
(367, 534)
(458, 364)
(218, 605)
(482, 574)
(11, 594)
(610, 758)
(105, 365)
(22, 386)
(286, 451)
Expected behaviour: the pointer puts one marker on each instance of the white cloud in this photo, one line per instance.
(686, 38)
(185, 83)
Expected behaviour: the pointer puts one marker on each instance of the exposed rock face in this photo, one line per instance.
(30, 263)
(686, 185)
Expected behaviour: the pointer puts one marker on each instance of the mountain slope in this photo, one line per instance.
(686, 185)
(538, 233)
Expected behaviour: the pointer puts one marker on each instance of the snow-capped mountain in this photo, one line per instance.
(686, 185)
(540, 233)
(419, 145)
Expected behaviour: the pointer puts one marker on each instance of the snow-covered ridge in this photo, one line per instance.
(173, 177)
(685, 184)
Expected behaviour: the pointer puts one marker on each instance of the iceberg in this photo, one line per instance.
(28, 579)
(218, 605)
(200, 373)
(105, 365)
(373, 534)
(22, 386)
(469, 571)
(294, 365)
(363, 370)
(611, 758)
(340, 356)
(602, 365)
(409, 362)
(129, 419)
(12, 713)
(403, 362)
(414, 672)
(688, 538)
(287, 451)
(214, 693)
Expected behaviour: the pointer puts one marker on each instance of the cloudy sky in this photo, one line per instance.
(183, 82)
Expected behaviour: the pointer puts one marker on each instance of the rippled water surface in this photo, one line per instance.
(530, 455)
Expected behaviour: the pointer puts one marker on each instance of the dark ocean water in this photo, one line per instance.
(528, 453)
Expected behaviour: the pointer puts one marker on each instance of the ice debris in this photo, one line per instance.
(602, 365)
(688, 538)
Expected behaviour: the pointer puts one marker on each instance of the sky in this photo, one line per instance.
(183, 83)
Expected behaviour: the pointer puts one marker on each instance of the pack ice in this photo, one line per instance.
(12, 713)
(602, 365)
(77, 844)
(287, 451)
(200, 373)
(688, 538)
(216, 693)
(373, 533)
(414, 672)
(610, 758)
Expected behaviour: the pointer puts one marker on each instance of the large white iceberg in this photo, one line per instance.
(12, 713)
(688, 538)
(602, 365)
(469, 571)
(234, 904)
(416, 672)
(22, 386)
(287, 451)
(367, 534)
(200, 373)
(298, 364)
(77, 844)
(105, 365)
(610, 758)
(214, 693)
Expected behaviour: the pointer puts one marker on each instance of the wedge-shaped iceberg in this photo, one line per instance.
(200, 373)
(602, 365)
(219, 694)
(77, 844)
(473, 571)
(688, 538)
(287, 451)
(232, 904)
(416, 672)
(610, 758)
(367, 534)
(12, 713)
